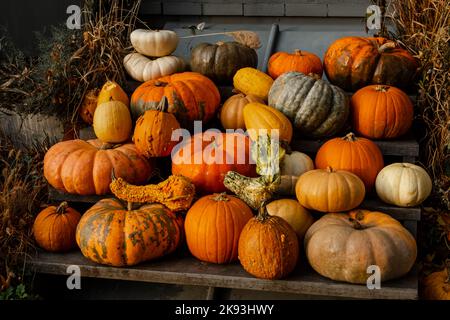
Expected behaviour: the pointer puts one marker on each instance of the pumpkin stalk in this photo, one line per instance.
(263, 214)
(356, 221)
(160, 84)
(382, 88)
(220, 197)
(298, 52)
(129, 206)
(62, 207)
(350, 137)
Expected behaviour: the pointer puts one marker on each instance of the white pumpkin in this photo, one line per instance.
(141, 68)
(291, 168)
(403, 184)
(154, 43)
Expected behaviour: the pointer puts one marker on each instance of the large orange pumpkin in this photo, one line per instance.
(381, 112)
(84, 167)
(153, 132)
(354, 62)
(300, 61)
(206, 158)
(109, 233)
(54, 228)
(213, 226)
(358, 155)
(191, 96)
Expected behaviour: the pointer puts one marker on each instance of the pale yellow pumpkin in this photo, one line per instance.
(293, 213)
(292, 166)
(403, 184)
(141, 68)
(111, 91)
(112, 122)
(154, 43)
(252, 81)
(259, 116)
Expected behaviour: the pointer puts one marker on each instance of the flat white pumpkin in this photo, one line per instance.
(141, 68)
(154, 43)
(291, 168)
(403, 184)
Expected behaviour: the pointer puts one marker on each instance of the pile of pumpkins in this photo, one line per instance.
(144, 222)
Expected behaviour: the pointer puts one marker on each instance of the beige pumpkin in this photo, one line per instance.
(403, 184)
(112, 122)
(142, 69)
(292, 166)
(154, 43)
(293, 213)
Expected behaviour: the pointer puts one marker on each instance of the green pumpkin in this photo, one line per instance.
(222, 60)
(315, 107)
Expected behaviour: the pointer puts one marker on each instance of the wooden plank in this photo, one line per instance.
(189, 271)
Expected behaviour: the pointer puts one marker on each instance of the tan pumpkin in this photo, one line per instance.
(231, 113)
(292, 166)
(252, 81)
(258, 116)
(436, 286)
(141, 68)
(154, 43)
(54, 228)
(403, 184)
(112, 122)
(327, 190)
(111, 91)
(342, 246)
(290, 210)
(213, 225)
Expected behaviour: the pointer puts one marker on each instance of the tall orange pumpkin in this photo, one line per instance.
(206, 158)
(191, 96)
(213, 226)
(300, 61)
(381, 112)
(357, 155)
(84, 167)
(153, 132)
(354, 62)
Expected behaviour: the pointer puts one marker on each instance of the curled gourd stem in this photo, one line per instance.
(62, 207)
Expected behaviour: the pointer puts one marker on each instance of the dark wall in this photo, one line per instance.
(23, 17)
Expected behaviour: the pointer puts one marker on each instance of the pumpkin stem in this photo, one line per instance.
(220, 43)
(106, 146)
(262, 212)
(62, 207)
(315, 76)
(160, 83)
(350, 137)
(387, 46)
(382, 88)
(298, 52)
(329, 169)
(129, 205)
(113, 175)
(220, 197)
(359, 215)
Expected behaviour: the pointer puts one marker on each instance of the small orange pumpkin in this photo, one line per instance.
(54, 228)
(300, 61)
(436, 286)
(232, 114)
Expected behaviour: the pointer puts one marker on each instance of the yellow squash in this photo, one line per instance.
(252, 81)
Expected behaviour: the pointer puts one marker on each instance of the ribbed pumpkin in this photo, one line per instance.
(84, 167)
(111, 234)
(141, 68)
(300, 61)
(354, 62)
(342, 246)
(252, 81)
(358, 155)
(213, 226)
(259, 116)
(293, 213)
(231, 113)
(111, 91)
(403, 184)
(222, 60)
(89, 105)
(436, 286)
(196, 159)
(153, 132)
(268, 247)
(191, 96)
(315, 107)
(112, 122)
(154, 43)
(329, 190)
(381, 112)
(54, 228)
(292, 166)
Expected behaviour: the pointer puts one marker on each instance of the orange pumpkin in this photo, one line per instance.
(231, 114)
(206, 158)
(357, 155)
(354, 62)
(54, 228)
(89, 105)
(381, 112)
(191, 96)
(213, 225)
(436, 286)
(153, 132)
(84, 167)
(300, 61)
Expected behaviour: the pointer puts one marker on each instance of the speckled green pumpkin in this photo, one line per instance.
(110, 234)
(220, 61)
(315, 107)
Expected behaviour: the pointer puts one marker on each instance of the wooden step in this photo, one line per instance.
(186, 270)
